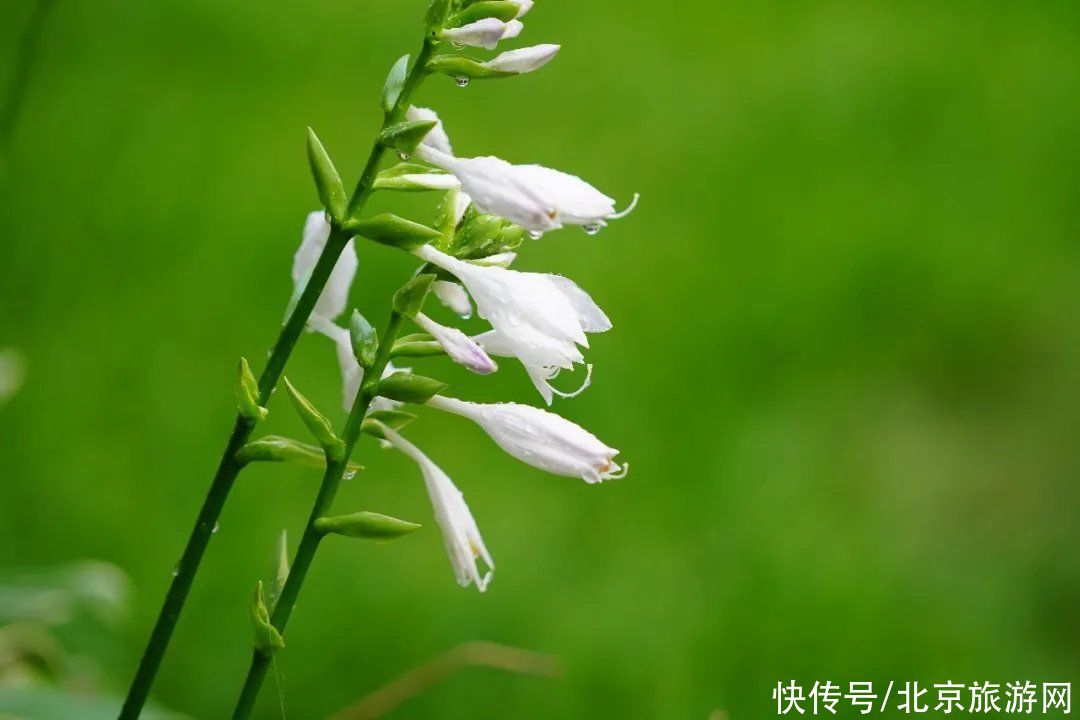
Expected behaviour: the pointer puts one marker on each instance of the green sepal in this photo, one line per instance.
(375, 422)
(461, 66)
(445, 221)
(409, 388)
(365, 339)
(316, 423)
(479, 236)
(405, 136)
(409, 300)
(327, 181)
(435, 17)
(389, 229)
(408, 168)
(267, 638)
(276, 448)
(416, 349)
(395, 81)
(247, 393)
(366, 526)
(505, 11)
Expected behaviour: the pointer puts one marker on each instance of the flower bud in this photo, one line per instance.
(267, 638)
(327, 180)
(461, 348)
(365, 339)
(484, 33)
(409, 388)
(247, 393)
(389, 229)
(316, 423)
(410, 298)
(395, 81)
(522, 60)
(366, 526)
(276, 448)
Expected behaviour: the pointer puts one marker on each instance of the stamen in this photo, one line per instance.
(574, 393)
(628, 210)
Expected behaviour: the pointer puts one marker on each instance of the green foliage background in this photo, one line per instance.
(845, 365)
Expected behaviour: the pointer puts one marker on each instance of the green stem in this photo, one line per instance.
(309, 543)
(229, 468)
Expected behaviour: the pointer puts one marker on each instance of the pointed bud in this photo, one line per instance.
(395, 81)
(413, 177)
(366, 526)
(522, 60)
(405, 136)
(267, 638)
(409, 388)
(460, 66)
(486, 9)
(275, 448)
(427, 347)
(410, 298)
(389, 229)
(365, 340)
(247, 393)
(327, 180)
(316, 423)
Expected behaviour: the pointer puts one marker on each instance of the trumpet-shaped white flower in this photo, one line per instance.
(537, 198)
(453, 296)
(522, 60)
(352, 374)
(436, 137)
(461, 348)
(540, 438)
(484, 33)
(538, 318)
(335, 294)
(463, 542)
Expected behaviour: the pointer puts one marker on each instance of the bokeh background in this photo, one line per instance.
(845, 364)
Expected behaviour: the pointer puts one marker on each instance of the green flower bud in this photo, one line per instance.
(395, 81)
(275, 448)
(410, 388)
(267, 638)
(505, 11)
(366, 525)
(409, 300)
(405, 136)
(327, 181)
(417, 349)
(389, 229)
(460, 66)
(247, 393)
(316, 423)
(365, 340)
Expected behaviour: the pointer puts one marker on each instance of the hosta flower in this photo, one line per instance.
(540, 438)
(522, 60)
(453, 296)
(541, 375)
(461, 348)
(463, 542)
(351, 372)
(484, 33)
(335, 295)
(538, 318)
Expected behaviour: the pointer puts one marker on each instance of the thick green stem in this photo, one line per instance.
(229, 468)
(309, 543)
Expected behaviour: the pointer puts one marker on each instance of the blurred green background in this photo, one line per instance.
(845, 364)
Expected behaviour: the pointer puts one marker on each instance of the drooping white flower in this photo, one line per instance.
(522, 60)
(484, 33)
(436, 137)
(538, 318)
(460, 534)
(335, 294)
(453, 296)
(461, 348)
(352, 374)
(540, 438)
(537, 198)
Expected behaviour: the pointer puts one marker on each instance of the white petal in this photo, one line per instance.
(522, 60)
(524, 6)
(335, 295)
(453, 296)
(461, 348)
(578, 202)
(484, 33)
(436, 137)
(590, 315)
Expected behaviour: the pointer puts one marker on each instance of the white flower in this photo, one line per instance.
(453, 296)
(537, 198)
(335, 294)
(351, 372)
(538, 318)
(524, 6)
(463, 542)
(522, 60)
(541, 375)
(484, 33)
(436, 137)
(461, 348)
(540, 438)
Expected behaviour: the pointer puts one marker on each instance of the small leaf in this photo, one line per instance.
(409, 300)
(389, 229)
(395, 81)
(316, 423)
(409, 388)
(276, 448)
(247, 393)
(365, 340)
(327, 180)
(461, 66)
(405, 136)
(267, 638)
(505, 11)
(435, 18)
(366, 525)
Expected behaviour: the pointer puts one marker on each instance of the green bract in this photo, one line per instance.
(267, 638)
(405, 136)
(316, 423)
(327, 181)
(366, 526)
(504, 11)
(365, 339)
(395, 81)
(461, 66)
(276, 448)
(410, 388)
(247, 393)
(389, 229)
(409, 300)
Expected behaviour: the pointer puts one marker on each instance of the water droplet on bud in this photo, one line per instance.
(535, 234)
(461, 81)
(591, 229)
(403, 155)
